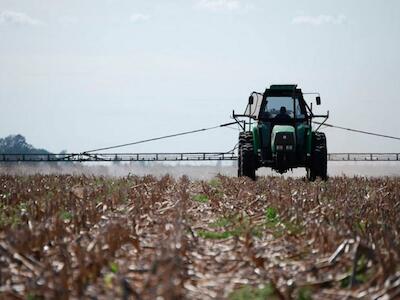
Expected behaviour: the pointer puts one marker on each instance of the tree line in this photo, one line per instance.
(17, 144)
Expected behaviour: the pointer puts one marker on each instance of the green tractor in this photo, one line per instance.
(279, 134)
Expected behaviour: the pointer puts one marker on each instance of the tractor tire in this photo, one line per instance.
(245, 137)
(240, 154)
(319, 158)
(242, 141)
(246, 158)
(311, 174)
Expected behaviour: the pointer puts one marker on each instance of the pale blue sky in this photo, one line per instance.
(84, 74)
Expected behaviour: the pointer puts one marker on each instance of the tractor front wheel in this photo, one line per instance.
(246, 157)
(319, 158)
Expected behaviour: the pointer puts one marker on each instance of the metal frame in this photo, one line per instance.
(364, 157)
(114, 157)
(189, 156)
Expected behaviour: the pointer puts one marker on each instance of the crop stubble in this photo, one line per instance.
(142, 237)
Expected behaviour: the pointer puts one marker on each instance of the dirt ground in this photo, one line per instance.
(93, 237)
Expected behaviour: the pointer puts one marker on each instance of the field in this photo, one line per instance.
(143, 237)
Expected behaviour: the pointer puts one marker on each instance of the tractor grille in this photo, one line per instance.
(284, 139)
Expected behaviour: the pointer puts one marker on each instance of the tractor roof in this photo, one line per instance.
(283, 87)
(283, 90)
(288, 90)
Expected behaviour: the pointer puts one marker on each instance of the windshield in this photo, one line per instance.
(282, 107)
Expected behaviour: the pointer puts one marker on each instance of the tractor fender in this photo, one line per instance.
(256, 140)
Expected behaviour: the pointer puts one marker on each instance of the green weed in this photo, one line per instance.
(271, 215)
(304, 294)
(221, 222)
(11, 216)
(200, 198)
(215, 183)
(206, 234)
(113, 267)
(234, 225)
(252, 293)
(273, 221)
(66, 215)
(363, 274)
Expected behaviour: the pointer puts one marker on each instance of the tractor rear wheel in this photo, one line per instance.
(246, 157)
(319, 158)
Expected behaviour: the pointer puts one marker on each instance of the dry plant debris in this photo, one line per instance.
(78, 237)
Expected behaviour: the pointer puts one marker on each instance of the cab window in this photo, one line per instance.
(277, 106)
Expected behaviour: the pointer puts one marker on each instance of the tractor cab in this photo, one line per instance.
(279, 131)
(279, 103)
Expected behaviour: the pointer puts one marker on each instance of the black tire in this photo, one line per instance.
(311, 174)
(245, 137)
(319, 157)
(240, 164)
(246, 158)
(242, 140)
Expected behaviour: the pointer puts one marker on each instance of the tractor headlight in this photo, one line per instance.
(279, 147)
(289, 147)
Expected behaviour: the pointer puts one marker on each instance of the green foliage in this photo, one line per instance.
(293, 228)
(234, 225)
(108, 280)
(272, 221)
(271, 215)
(363, 274)
(304, 294)
(33, 296)
(243, 226)
(360, 226)
(16, 144)
(215, 183)
(221, 222)
(362, 270)
(252, 293)
(280, 227)
(200, 198)
(214, 234)
(11, 216)
(66, 215)
(113, 267)
(345, 282)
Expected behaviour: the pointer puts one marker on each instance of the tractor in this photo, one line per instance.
(277, 132)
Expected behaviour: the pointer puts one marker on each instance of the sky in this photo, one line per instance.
(82, 74)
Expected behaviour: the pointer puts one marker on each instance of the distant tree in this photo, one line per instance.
(16, 144)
